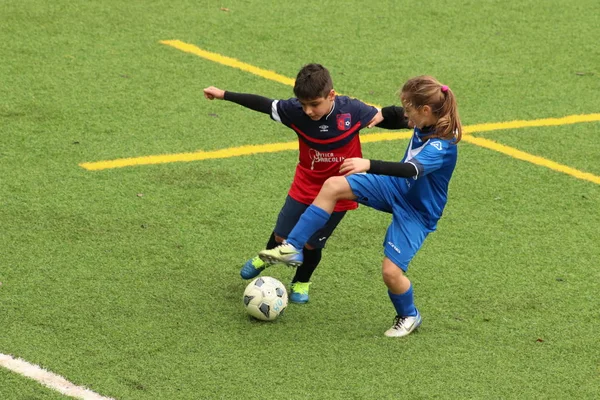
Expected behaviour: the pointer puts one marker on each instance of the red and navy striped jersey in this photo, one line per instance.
(323, 144)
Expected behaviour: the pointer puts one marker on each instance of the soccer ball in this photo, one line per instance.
(265, 298)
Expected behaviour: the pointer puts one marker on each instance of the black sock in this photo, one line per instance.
(312, 258)
(272, 243)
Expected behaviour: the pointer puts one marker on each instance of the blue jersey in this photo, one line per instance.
(427, 192)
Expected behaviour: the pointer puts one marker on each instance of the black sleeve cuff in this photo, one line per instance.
(393, 118)
(251, 101)
(400, 169)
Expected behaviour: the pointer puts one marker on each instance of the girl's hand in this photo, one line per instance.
(376, 119)
(212, 93)
(354, 166)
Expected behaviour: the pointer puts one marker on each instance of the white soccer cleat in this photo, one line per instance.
(403, 326)
(285, 253)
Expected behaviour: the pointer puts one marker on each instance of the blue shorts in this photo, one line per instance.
(406, 233)
(290, 214)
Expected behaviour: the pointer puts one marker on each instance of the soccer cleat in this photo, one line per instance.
(253, 267)
(283, 254)
(299, 292)
(404, 325)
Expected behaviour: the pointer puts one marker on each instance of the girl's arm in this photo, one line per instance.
(357, 165)
(400, 169)
(393, 118)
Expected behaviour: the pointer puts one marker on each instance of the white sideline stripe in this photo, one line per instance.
(48, 379)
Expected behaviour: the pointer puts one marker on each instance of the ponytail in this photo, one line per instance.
(426, 90)
(448, 125)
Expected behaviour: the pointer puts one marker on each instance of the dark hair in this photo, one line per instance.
(427, 91)
(313, 81)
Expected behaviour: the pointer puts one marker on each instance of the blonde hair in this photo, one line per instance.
(425, 90)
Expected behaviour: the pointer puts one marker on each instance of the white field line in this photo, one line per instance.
(48, 379)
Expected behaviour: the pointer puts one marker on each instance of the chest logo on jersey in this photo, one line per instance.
(344, 122)
(318, 157)
(324, 128)
(437, 145)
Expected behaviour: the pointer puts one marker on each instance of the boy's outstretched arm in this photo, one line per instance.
(251, 101)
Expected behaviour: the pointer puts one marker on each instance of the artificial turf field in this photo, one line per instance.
(124, 278)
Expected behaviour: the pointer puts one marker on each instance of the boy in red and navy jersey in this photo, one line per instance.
(327, 127)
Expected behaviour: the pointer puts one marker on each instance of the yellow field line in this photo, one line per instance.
(195, 156)
(370, 138)
(521, 155)
(234, 63)
(570, 119)
(228, 61)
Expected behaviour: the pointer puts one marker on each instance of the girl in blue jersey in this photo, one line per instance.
(413, 190)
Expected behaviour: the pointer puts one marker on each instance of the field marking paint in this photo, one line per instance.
(568, 120)
(228, 61)
(521, 155)
(235, 63)
(195, 156)
(371, 138)
(48, 379)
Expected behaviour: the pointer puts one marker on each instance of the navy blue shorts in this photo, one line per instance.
(290, 214)
(406, 233)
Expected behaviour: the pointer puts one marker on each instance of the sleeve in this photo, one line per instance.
(430, 159)
(365, 113)
(399, 169)
(283, 111)
(251, 101)
(393, 118)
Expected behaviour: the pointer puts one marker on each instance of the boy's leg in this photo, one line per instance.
(312, 256)
(301, 281)
(254, 266)
(286, 219)
(312, 220)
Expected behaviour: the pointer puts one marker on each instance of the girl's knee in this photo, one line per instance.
(392, 274)
(336, 185)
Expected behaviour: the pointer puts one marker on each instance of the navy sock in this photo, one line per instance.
(313, 219)
(404, 303)
(311, 260)
(272, 243)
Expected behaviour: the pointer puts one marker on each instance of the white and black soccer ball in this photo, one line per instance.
(265, 298)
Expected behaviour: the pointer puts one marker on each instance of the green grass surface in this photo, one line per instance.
(126, 280)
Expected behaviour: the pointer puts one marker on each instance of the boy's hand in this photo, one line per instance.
(354, 166)
(212, 93)
(376, 119)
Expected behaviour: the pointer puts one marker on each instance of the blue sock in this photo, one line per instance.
(404, 303)
(313, 219)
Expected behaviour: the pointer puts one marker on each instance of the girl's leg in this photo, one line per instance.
(401, 295)
(318, 213)
(394, 278)
(313, 219)
(334, 189)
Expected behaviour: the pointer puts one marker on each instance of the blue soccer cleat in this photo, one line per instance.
(299, 292)
(253, 267)
(283, 254)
